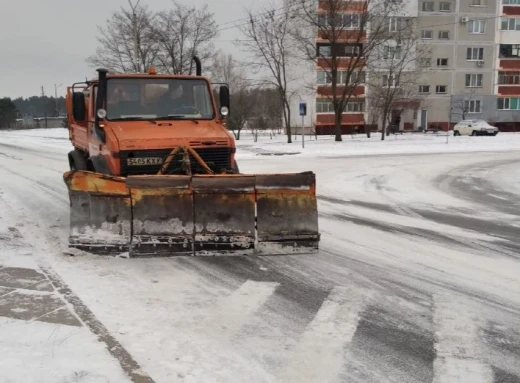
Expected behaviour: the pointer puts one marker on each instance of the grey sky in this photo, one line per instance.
(46, 42)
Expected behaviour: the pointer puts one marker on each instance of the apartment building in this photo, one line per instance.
(472, 71)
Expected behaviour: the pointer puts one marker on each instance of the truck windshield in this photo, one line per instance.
(158, 98)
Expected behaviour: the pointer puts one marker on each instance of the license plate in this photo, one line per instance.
(144, 161)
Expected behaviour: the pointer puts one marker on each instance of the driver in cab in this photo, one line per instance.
(174, 101)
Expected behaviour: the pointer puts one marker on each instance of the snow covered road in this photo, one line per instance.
(417, 279)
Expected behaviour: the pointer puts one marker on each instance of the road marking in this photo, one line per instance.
(235, 310)
(458, 347)
(319, 356)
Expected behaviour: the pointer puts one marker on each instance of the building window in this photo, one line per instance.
(441, 89)
(472, 106)
(479, 3)
(424, 89)
(509, 51)
(511, 2)
(425, 62)
(391, 53)
(390, 81)
(445, 7)
(358, 107)
(510, 24)
(477, 26)
(509, 78)
(508, 103)
(474, 80)
(427, 6)
(426, 34)
(397, 23)
(474, 54)
(336, 20)
(444, 35)
(442, 62)
(323, 78)
(324, 50)
(324, 105)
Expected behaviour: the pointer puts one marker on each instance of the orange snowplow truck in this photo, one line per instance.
(153, 173)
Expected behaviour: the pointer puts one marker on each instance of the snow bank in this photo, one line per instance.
(360, 145)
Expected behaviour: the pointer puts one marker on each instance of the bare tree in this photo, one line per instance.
(225, 69)
(465, 103)
(395, 68)
(126, 43)
(340, 43)
(268, 40)
(182, 32)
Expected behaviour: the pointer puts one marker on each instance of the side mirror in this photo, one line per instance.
(224, 101)
(78, 106)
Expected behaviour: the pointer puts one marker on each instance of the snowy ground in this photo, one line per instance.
(417, 279)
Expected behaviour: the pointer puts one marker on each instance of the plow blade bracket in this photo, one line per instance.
(167, 215)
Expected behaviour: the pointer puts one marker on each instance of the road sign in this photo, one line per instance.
(303, 109)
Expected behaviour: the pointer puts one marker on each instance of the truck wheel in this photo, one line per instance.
(77, 160)
(474, 133)
(235, 168)
(456, 133)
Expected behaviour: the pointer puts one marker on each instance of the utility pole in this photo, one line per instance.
(56, 98)
(44, 107)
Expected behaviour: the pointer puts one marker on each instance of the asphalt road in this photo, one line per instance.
(417, 279)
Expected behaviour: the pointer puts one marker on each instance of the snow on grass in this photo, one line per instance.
(359, 145)
(44, 352)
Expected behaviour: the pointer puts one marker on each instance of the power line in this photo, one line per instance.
(248, 19)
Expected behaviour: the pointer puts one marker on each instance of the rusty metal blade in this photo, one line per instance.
(224, 214)
(287, 213)
(100, 212)
(162, 215)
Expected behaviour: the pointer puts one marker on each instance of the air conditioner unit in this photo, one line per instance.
(464, 19)
(480, 63)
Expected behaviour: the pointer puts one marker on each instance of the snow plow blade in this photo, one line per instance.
(100, 212)
(168, 215)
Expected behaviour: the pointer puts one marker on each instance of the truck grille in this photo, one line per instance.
(216, 158)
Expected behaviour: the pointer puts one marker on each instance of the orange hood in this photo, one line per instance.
(168, 134)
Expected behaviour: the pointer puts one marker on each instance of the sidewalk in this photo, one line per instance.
(42, 338)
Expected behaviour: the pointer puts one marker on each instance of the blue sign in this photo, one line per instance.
(303, 109)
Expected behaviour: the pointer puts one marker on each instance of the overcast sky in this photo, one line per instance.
(46, 42)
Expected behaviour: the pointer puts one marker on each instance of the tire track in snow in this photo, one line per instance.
(234, 310)
(458, 343)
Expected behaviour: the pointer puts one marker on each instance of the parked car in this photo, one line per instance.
(474, 128)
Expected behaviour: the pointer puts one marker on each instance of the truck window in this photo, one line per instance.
(158, 98)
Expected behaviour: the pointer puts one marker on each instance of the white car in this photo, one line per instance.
(474, 128)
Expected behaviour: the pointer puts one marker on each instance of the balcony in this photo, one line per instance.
(347, 6)
(343, 35)
(511, 10)
(326, 90)
(509, 55)
(343, 62)
(346, 119)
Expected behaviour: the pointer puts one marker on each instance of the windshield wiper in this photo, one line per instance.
(151, 120)
(177, 117)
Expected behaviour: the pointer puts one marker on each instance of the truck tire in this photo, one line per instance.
(235, 168)
(77, 160)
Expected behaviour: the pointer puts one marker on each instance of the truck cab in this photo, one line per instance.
(127, 124)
